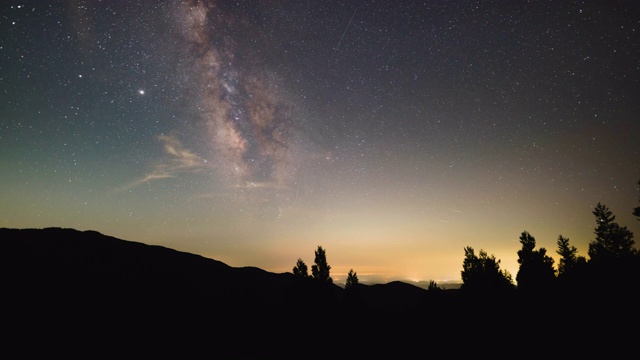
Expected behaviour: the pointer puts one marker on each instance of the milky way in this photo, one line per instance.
(249, 124)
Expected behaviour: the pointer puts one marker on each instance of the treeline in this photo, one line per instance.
(612, 267)
(613, 260)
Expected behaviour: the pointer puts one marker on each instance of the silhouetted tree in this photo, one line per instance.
(352, 301)
(569, 261)
(573, 275)
(433, 286)
(301, 269)
(320, 271)
(352, 280)
(536, 272)
(482, 274)
(613, 259)
(613, 242)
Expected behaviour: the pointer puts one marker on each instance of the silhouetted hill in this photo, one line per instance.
(394, 296)
(87, 280)
(84, 294)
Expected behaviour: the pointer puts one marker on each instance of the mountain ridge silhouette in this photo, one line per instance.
(92, 282)
(70, 249)
(78, 293)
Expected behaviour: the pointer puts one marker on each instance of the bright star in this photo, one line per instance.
(141, 92)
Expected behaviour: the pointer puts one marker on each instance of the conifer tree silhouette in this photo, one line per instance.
(321, 269)
(301, 269)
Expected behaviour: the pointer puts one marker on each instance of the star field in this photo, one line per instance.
(392, 133)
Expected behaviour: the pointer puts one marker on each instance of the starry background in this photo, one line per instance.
(391, 133)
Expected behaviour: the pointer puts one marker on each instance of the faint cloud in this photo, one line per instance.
(180, 160)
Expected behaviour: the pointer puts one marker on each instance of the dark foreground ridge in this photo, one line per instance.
(69, 291)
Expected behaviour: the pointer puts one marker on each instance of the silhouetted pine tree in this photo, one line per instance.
(613, 242)
(573, 277)
(613, 259)
(482, 274)
(352, 280)
(536, 273)
(569, 262)
(301, 269)
(321, 269)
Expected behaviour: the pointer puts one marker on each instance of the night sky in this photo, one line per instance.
(391, 133)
